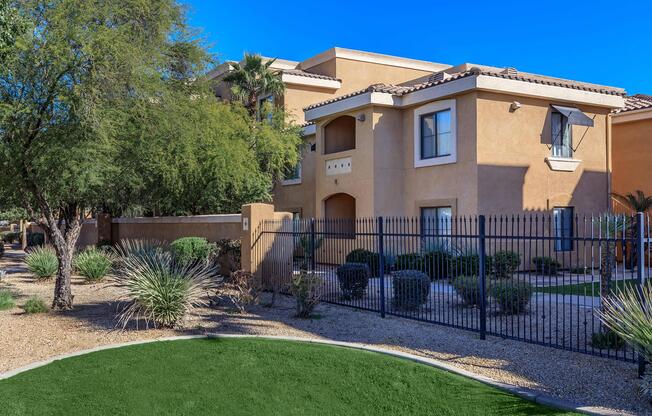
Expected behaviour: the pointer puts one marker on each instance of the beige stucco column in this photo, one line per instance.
(252, 216)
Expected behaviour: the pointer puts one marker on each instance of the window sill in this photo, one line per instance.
(435, 161)
(563, 164)
(288, 182)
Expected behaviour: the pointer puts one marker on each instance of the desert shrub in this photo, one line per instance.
(504, 263)
(306, 289)
(241, 288)
(34, 305)
(228, 254)
(42, 262)
(411, 289)
(436, 264)
(467, 264)
(628, 315)
(93, 264)
(371, 259)
(188, 250)
(159, 289)
(606, 340)
(35, 239)
(11, 237)
(468, 289)
(546, 265)
(354, 279)
(6, 300)
(512, 296)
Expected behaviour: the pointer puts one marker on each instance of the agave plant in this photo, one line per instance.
(158, 289)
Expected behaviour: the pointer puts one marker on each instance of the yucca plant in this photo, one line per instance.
(93, 264)
(628, 313)
(158, 289)
(42, 262)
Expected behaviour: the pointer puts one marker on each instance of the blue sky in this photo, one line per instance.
(598, 41)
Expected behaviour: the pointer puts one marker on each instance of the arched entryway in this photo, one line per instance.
(339, 212)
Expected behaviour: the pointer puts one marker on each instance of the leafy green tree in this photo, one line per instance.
(11, 25)
(67, 89)
(198, 156)
(253, 80)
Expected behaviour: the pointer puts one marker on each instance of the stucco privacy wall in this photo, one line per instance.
(511, 150)
(632, 157)
(211, 227)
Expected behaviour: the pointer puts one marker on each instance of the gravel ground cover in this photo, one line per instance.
(572, 376)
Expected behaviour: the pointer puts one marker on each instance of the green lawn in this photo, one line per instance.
(586, 289)
(250, 377)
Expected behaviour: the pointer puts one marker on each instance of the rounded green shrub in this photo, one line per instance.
(42, 262)
(371, 259)
(411, 289)
(468, 289)
(6, 300)
(353, 279)
(546, 265)
(465, 265)
(188, 250)
(35, 305)
(512, 296)
(93, 264)
(436, 264)
(35, 239)
(504, 263)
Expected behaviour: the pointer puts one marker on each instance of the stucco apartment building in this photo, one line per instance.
(394, 136)
(632, 157)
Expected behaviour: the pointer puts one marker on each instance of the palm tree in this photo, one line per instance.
(637, 203)
(253, 80)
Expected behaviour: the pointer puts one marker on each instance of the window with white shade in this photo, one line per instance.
(562, 136)
(435, 140)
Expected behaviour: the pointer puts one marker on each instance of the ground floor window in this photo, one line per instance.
(435, 223)
(563, 223)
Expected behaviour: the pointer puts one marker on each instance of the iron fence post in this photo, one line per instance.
(482, 277)
(640, 276)
(312, 245)
(381, 266)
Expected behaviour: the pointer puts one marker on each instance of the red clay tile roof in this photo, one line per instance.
(301, 73)
(636, 102)
(399, 90)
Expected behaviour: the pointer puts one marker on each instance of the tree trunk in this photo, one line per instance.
(63, 231)
(62, 291)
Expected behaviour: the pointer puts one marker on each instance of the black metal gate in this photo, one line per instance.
(537, 278)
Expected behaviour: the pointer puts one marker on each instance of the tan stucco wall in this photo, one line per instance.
(632, 158)
(171, 231)
(444, 185)
(297, 97)
(299, 197)
(512, 146)
(360, 182)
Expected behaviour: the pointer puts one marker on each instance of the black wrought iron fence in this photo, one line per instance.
(535, 278)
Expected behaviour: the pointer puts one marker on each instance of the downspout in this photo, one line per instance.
(609, 167)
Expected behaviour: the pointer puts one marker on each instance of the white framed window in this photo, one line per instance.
(292, 175)
(562, 136)
(436, 223)
(435, 134)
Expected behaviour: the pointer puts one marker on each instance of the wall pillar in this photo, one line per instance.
(104, 228)
(252, 216)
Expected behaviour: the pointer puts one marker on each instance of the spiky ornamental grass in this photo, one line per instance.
(628, 313)
(42, 262)
(157, 289)
(93, 264)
